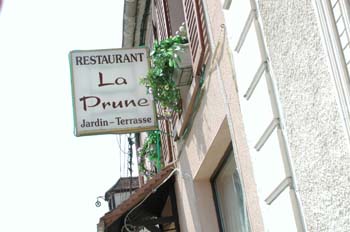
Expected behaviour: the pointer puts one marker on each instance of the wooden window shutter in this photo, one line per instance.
(198, 40)
(166, 142)
(195, 28)
(154, 24)
(162, 12)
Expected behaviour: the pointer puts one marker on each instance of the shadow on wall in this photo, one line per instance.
(208, 121)
(188, 198)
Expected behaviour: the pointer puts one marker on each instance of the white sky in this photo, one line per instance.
(49, 179)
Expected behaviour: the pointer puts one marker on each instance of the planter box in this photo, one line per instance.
(183, 74)
(185, 56)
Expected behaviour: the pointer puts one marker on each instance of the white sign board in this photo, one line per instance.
(107, 95)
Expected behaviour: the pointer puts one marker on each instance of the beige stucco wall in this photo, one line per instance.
(211, 133)
(199, 154)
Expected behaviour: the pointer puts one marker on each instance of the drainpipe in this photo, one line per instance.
(129, 23)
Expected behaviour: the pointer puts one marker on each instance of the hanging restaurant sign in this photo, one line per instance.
(107, 96)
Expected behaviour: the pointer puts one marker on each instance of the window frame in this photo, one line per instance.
(331, 39)
(212, 182)
(197, 35)
(228, 153)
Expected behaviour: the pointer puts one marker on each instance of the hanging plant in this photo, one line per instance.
(148, 151)
(159, 82)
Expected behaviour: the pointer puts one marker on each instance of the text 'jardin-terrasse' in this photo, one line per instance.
(88, 102)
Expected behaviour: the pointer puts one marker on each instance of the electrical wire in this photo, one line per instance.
(145, 198)
(120, 159)
(128, 227)
(119, 144)
(124, 161)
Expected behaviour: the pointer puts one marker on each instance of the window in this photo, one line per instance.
(340, 15)
(334, 18)
(232, 214)
(167, 16)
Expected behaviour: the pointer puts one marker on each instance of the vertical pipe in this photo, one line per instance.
(130, 162)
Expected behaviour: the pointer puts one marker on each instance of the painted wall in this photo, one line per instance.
(200, 153)
(319, 146)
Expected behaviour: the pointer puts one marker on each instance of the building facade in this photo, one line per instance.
(262, 139)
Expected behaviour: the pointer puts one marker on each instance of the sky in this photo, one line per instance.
(49, 178)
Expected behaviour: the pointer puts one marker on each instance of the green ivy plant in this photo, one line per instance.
(148, 150)
(158, 81)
